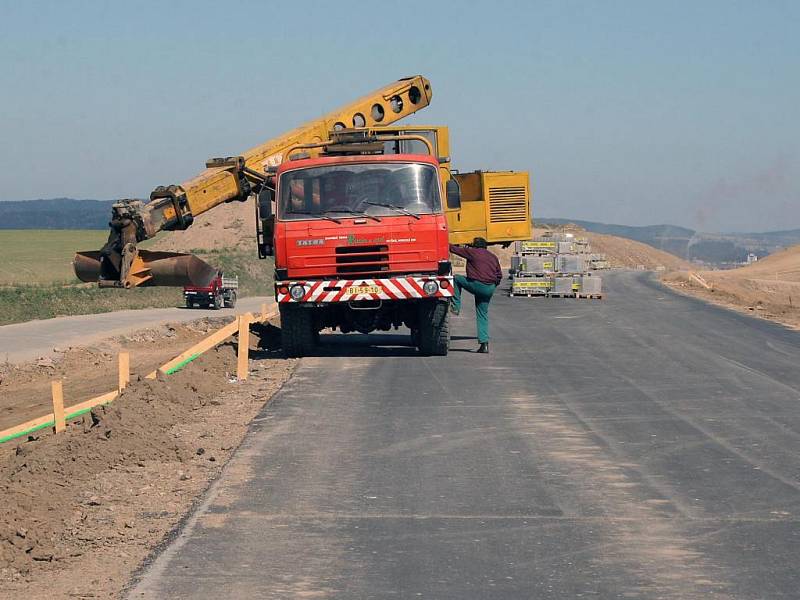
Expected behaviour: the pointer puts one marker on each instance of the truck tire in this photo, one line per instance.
(298, 334)
(189, 303)
(434, 329)
(231, 301)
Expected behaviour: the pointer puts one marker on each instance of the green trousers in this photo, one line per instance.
(483, 295)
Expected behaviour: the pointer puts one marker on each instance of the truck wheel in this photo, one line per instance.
(298, 334)
(231, 301)
(189, 303)
(434, 329)
(218, 302)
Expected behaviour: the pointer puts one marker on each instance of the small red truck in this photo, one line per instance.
(220, 292)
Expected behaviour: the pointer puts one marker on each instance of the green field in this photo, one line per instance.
(37, 282)
(43, 256)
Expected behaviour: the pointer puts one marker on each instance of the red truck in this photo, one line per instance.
(220, 292)
(361, 244)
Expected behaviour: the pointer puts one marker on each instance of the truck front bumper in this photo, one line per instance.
(350, 290)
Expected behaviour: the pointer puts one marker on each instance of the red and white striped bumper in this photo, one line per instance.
(346, 290)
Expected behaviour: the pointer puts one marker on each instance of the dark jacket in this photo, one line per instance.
(482, 265)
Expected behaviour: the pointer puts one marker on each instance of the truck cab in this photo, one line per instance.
(361, 244)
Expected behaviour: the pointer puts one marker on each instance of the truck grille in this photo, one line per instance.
(508, 204)
(362, 259)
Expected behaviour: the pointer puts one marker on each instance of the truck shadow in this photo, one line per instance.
(357, 344)
(336, 344)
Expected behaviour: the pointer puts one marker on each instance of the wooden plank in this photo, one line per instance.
(48, 420)
(91, 403)
(265, 314)
(700, 280)
(124, 370)
(243, 351)
(57, 390)
(203, 345)
(38, 423)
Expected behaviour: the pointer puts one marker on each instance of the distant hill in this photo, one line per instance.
(55, 213)
(712, 248)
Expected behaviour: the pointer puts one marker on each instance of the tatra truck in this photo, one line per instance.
(358, 214)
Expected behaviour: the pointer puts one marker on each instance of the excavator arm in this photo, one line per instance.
(120, 263)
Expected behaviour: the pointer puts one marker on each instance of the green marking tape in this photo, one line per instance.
(27, 431)
(182, 364)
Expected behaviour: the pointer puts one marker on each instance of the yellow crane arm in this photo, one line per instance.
(234, 178)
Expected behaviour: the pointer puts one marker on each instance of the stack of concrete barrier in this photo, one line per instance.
(558, 265)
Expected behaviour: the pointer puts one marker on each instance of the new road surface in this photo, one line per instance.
(643, 446)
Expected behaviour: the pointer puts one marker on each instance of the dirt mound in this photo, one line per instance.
(230, 226)
(769, 288)
(82, 509)
(630, 254)
(780, 266)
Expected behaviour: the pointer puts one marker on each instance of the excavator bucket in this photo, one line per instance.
(142, 268)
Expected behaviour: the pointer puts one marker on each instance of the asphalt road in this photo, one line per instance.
(26, 341)
(644, 446)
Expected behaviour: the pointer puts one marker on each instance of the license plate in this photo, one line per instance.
(363, 289)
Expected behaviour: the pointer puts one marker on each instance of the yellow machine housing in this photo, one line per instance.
(495, 205)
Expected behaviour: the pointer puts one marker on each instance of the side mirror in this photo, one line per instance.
(265, 223)
(453, 190)
(265, 197)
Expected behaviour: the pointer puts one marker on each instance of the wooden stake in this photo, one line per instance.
(264, 316)
(243, 358)
(124, 370)
(57, 390)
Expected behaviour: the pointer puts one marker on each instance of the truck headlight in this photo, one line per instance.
(430, 287)
(297, 292)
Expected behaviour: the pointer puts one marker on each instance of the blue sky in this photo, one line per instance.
(625, 112)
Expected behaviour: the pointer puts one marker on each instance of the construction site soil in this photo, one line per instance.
(630, 254)
(84, 508)
(90, 371)
(769, 288)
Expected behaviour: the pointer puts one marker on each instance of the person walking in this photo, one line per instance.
(483, 277)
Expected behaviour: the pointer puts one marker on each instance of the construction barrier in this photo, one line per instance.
(60, 415)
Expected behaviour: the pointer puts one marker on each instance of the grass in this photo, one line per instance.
(43, 256)
(37, 282)
(27, 302)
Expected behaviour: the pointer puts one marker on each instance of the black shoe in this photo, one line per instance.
(483, 348)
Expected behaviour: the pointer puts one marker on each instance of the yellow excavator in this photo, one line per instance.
(493, 205)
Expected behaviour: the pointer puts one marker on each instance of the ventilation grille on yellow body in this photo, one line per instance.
(507, 204)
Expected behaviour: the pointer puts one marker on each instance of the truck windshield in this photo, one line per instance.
(370, 189)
